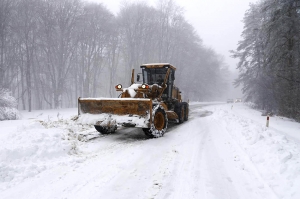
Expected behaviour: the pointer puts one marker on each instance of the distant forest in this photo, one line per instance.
(269, 55)
(53, 51)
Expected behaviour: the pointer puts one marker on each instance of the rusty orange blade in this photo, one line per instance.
(116, 106)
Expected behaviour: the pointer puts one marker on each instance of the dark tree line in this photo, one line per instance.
(269, 56)
(53, 51)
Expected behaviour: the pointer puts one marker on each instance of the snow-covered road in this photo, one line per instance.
(223, 151)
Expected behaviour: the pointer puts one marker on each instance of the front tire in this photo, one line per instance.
(105, 130)
(159, 123)
(148, 133)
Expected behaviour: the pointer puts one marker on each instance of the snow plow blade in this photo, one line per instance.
(129, 112)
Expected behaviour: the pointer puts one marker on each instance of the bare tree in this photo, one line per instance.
(95, 32)
(53, 51)
(58, 21)
(25, 28)
(6, 12)
(139, 30)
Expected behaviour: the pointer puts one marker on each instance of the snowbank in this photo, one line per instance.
(33, 145)
(276, 156)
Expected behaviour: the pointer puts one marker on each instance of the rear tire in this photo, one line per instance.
(159, 123)
(186, 111)
(180, 111)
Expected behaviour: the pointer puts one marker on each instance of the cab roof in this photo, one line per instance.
(158, 65)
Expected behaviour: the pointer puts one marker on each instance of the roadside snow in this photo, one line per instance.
(39, 142)
(275, 155)
(223, 151)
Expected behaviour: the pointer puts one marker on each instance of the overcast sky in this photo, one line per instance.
(218, 22)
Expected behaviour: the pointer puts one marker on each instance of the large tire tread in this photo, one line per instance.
(186, 111)
(158, 128)
(179, 110)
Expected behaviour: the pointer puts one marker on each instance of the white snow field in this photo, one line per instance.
(223, 151)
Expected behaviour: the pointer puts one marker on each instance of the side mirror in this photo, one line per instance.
(138, 77)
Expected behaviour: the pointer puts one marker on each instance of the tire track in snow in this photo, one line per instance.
(186, 169)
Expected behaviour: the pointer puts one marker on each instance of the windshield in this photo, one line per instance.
(154, 75)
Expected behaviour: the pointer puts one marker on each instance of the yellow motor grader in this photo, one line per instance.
(149, 105)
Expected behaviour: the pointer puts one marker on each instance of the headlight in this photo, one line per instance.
(144, 86)
(119, 86)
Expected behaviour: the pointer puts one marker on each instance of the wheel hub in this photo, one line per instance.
(159, 121)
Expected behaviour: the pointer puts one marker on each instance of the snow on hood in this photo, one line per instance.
(131, 89)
